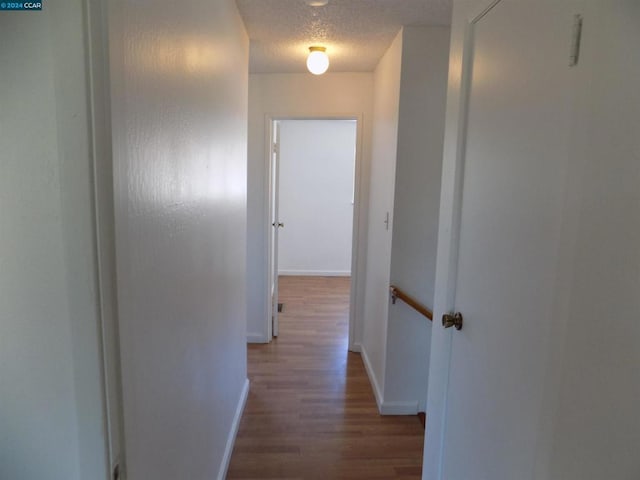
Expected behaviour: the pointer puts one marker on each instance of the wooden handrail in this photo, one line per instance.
(412, 302)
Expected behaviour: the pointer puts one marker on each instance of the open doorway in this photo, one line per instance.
(312, 215)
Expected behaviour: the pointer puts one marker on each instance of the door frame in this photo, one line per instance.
(274, 219)
(96, 17)
(460, 63)
(356, 267)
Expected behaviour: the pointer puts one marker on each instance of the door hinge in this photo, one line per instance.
(276, 149)
(576, 35)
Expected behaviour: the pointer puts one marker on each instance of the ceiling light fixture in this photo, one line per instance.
(317, 61)
(317, 3)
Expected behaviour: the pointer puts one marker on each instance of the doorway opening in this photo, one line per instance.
(313, 178)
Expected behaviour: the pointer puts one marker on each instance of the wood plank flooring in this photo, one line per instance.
(311, 413)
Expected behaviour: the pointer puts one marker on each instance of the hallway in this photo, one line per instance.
(311, 412)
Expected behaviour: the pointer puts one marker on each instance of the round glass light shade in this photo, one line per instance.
(317, 61)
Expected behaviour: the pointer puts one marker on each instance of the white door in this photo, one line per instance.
(276, 224)
(509, 189)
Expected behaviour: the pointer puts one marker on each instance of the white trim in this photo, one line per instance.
(314, 273)
(266, 218)
(399, 408)
(385, 408)
(256, 338)
(356, 347)
(97, 43)
(231, 439)
(372, 378)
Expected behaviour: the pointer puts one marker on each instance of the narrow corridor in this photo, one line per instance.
(311, 412)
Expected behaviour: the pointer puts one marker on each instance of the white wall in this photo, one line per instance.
(51, 405)
(423, 93)
(594, 401)
(409, 104)
(383, 161)
(299, 95)
(179, 90)
(317, 160)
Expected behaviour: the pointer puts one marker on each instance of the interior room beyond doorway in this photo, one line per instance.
(313, 195)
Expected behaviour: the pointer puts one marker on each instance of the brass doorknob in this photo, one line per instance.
(452, 320)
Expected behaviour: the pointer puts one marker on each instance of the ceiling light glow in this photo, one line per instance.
(317, 61)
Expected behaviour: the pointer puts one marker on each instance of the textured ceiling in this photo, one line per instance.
(356, 33)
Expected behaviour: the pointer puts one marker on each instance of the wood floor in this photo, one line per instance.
(311, 413)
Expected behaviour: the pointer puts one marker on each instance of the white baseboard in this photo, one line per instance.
(231, 439)
(399, 408)
(256, 338)
(356, 347)
(372, 378)
(315, 273)
(385, 408)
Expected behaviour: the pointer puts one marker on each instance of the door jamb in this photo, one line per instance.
(99, 84)
(356, 275)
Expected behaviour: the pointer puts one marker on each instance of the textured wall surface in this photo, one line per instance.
(180, 120)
